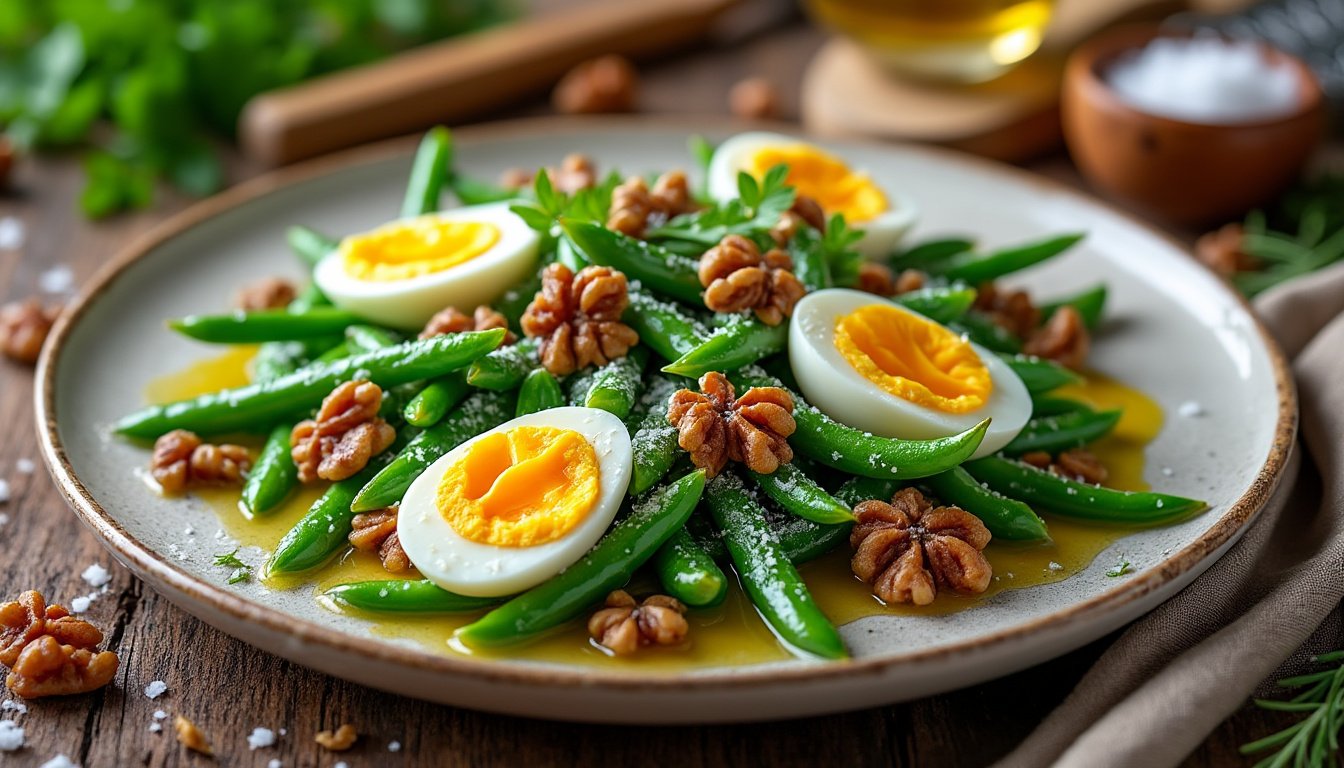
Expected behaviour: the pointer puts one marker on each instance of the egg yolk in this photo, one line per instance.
(824, 178)
(420, 246)
(913, 358)
(521, 488)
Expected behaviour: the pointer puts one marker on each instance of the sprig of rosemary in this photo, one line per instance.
(241, 571)
(1313, 741)
(1304, 233)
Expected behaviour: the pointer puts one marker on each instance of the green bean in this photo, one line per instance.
(506, 367)
(983, 331)
(801, 540)
(608, 565)
(539, 392)
(1053, 434)
(977, 268)
(311, 246)
(941, 305)
(929, 252)
(266, 325)
(277, 358)
(576, 386)
(435, 400)
(860, 453)
(324, 529)
(655, 267)
(257, 406)
(311, 296)
(1089, 303)
(1008, 519)
(798, 494)
(617, 384)
(857, 489)
(767, 575)
(1048, 405)
(367, 338)
(405, 596)
(740, 340)
(479, 413)
(272, 476)
(662, 326)
(810, 265)
(338, 352)
(432, 160)
(567, 254)
(1069, 498)
(653, 439)
(1040, 375)
(688, 573)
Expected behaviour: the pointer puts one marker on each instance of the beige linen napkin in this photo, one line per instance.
(1273, 599)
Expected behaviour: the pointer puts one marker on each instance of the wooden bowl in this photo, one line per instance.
(1184, 172)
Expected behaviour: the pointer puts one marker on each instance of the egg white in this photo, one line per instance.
(409, 303)
(880, 234)
(831, 383)
(467, 567)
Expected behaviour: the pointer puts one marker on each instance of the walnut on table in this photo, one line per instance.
(267, 293)
(453, 320)
(24, 326)
(345, 434)
(578, 318)
(1221, 251)
(377, 532)
(605, 84)
(623, 625)
(191, 737)
(339, 740)
(49, 652)
(715, 426)
(754, 98)
(181, 460)
(738, 277)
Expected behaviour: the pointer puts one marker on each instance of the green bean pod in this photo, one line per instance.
(567, 254)
(656, 268)
(975, 268)
(1069, 498)
(428, 172)
(278, 358)
(941, 305)
(362, 337)
(825, 440)
(1008, 519)
(979, 328)
(653, 439)
(1053, 434)
(539, 392)
(767, 575)
(740, 340)
(608, 565)
(273, 474)
(405, 596)
(1048, 405)
(1040, 375)
(1090, 304)
(471, 191)
(506, 367)
(930, 252)
(616, 385)
(798, 494)
(481, 412)
(266, 325)
(311, 296)
(435, 400)
(857, 489)
(800, 539)
(662, 326)
(688, 573)
(258, 406)
(310, 245)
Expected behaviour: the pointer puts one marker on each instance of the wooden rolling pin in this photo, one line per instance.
(456, 80)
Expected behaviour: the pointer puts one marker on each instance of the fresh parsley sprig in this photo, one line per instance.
(547, 205)
(1313, 741)
(241, 571)
(757, 208)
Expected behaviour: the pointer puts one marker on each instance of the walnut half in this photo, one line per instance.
(715, 426)
(578, 318)
(181, 460)
(49, 652)
(345, 434)
(623, 626)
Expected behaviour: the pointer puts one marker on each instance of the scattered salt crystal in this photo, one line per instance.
(1190, 409)
(1168, 471)
(96, 575)
(25, 466)
(274, 763)
(260, 737)
(189, 531)
(284, 731)
(156, 727)
(4, 491)
(341, 764)
(80, 604)
(156, 689)
(58, 279)
(1205, 79)
(16, 706)
(11, 736)
(1055, 566)
(4, 519)
(11, 233)
(159, 714)
(394, 746)
(60, 761)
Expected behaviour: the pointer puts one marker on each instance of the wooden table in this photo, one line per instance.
(228, 688)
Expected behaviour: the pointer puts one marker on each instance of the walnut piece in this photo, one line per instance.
(346, 433)
(1063, 339)
(754, 98)
(908, 549)
(1075, 464)
(623, 626)
(452, 320)
(876, 278)
(191, 737)
(1010, 310)
(24, 326)
(605, 84)
(267, 293)
(180, 460)
(738, 277)
(715, 426)
(1220, 250)
(49, 652)
(576, 172)
(578, 318)
(377, 532)
(339, 740)
(804, 211)
(634, 207)
(910, 280)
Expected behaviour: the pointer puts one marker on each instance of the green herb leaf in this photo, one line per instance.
(1120, 568)
(241, 571)
(1314, 739)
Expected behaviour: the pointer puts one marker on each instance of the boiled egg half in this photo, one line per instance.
(403, 272)
(514, 506)
(876, 366)
(820, 175)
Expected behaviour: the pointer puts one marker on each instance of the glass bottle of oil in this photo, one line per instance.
(965, 41)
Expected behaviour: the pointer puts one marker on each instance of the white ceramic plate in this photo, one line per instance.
(1174, 332)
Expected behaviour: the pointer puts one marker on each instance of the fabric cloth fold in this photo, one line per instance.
(1263, 608)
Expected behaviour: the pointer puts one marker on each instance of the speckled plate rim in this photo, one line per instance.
(139, 557)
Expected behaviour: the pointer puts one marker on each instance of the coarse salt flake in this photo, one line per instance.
(156, 727)
(260, 737)
(394, 746)
(15, 706)
(58, 279)
(156, 689)
(11, 736)
(1190, 409)
(274, 763)
(4, 491)
(159, 714)
(60, 761)
(81, 604)
(96, 575)
(25, 466)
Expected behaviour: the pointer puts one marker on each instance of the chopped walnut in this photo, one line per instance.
(346, 433)
(876, 278)
(576, 172)
(1010, 310)
(1221, 251)
(578, 318)
(737, 277)
(908, 549)
(715, 426)
(7, 154)
(1063, 338)
(181, 460)
(754, 98)
(377, 532)
(339, 740)
(24, 326)
(804, 210)
(623, 626)
(191, 737)
(452, 320)
(1075, 464)
(635, 207)
(49, 652)
(267, 293)
(605, 84)
(910, 280)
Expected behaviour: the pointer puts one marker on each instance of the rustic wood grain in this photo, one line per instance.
(228, 688)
